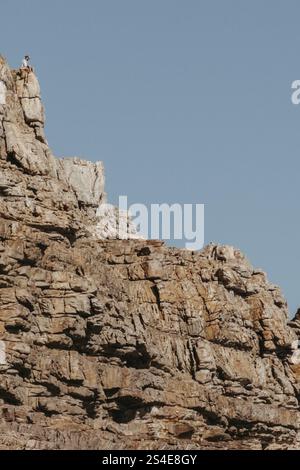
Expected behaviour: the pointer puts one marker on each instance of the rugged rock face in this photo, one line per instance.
(108, 344)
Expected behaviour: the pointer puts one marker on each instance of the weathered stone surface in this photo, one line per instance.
(2, 93)
(87, 180)
(109, 344)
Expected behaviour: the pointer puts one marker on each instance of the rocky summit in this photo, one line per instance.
(108, 343)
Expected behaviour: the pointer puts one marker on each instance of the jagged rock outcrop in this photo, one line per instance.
(108, 344)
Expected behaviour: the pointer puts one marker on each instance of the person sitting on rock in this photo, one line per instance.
(25, 62)
(25, 68)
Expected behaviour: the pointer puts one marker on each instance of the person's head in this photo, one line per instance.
(27, 57)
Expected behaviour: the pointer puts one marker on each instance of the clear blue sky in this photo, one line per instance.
(184, 101)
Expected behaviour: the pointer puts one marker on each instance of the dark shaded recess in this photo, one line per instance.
(138, 358)
(91, 405)
(11, 158)
(156, 293)
(14, 329)
(210, 417)
(9, 398)
(110, 392)
(46, 412)
(145, 251)
(128, 407)
(186, 435)
(24, 371)
(28, 262)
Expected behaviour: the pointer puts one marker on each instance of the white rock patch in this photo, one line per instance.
(2, 353)
(2, 92)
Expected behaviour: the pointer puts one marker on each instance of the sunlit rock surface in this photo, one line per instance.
(108, 344)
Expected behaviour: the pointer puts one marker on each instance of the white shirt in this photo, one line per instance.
(25, 62)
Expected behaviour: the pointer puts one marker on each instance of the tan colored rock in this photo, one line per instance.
(109, 343)
(33, 110)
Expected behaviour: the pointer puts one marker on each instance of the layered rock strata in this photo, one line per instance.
(109, 344)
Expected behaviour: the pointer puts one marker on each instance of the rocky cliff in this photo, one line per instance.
(109, 344)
